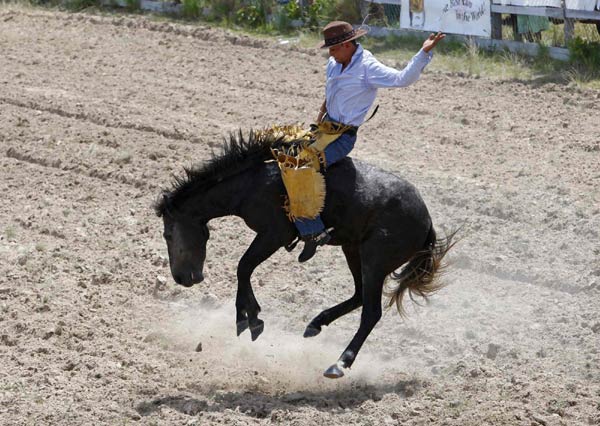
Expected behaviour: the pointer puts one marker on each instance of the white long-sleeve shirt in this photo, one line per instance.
(349, 94)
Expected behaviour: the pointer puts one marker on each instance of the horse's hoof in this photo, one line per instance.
(241, 326)
(312, 331)
(334, 372)
(257, 329)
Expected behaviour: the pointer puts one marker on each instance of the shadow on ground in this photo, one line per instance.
(260, 404)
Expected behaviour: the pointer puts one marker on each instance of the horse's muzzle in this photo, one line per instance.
(189, 279)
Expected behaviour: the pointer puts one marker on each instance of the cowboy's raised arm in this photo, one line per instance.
(379, 75)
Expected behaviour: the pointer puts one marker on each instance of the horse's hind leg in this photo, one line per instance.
(372, 280)
(329, 315)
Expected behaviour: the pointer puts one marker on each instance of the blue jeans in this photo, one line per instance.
(334, 152)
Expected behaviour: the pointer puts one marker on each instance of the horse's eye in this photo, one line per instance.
(167, 237)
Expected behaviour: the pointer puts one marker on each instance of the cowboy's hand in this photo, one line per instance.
(432, 41)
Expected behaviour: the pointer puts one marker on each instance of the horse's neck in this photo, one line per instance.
(222, 199)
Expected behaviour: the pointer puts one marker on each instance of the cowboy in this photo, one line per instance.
(353, 77)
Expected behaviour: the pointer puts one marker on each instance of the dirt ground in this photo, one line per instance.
(96, 115)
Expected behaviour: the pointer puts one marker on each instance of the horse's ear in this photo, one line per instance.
(161, 206)
(167, 202)
(157, 205)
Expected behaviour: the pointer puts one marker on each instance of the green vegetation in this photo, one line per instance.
(585, 63)
(191, 9)
(132, 5)
(585, 53)
(222, 11)
(269, 15)
(79, 4)
(254, 14)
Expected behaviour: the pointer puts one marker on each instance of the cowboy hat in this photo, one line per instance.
(338, 32)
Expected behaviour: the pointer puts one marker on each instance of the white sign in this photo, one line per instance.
(588, 5)
(467, 17)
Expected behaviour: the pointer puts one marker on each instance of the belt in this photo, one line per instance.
(351, 130)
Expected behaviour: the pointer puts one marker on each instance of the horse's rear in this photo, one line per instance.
(369, 207)
(382, 224)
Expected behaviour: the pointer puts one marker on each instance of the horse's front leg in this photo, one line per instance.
(246, 306)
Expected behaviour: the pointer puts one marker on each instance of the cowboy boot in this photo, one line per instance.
(311, 242)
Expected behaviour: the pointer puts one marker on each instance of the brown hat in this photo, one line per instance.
(337, 32)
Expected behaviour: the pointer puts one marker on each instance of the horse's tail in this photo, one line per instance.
(421, 275)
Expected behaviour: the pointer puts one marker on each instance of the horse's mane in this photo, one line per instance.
(237, 154)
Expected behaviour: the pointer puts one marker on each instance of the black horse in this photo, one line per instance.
(379, 219)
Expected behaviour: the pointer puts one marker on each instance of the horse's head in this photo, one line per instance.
(186, 244)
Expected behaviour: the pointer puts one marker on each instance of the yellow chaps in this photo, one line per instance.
(300, 166)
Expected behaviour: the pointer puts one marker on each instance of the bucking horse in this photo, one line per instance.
(379, 220)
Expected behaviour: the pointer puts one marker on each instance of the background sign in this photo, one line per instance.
(468, 17)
